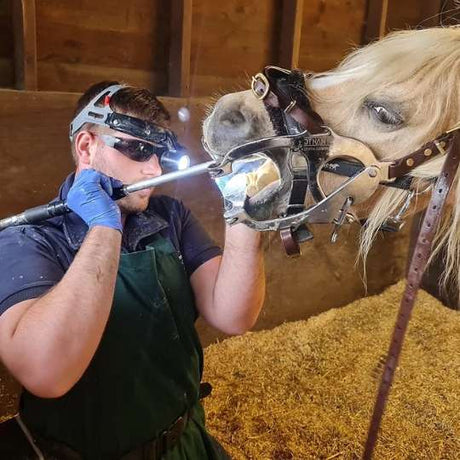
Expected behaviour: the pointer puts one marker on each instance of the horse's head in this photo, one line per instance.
(393, 96)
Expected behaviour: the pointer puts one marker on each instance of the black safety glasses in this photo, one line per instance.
(132, 148)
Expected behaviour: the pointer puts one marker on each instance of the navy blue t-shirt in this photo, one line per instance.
(34, 258)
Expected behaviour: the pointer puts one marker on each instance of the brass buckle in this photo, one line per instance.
(256, 91)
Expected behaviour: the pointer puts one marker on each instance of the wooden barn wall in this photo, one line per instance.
(231, 41)
(422, 13)
(82, 41)
(329, 30)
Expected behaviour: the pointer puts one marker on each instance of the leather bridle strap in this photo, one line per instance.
(425, 153)
(295, 105)
(415, 273)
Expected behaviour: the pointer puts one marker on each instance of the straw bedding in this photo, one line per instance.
(305, 390)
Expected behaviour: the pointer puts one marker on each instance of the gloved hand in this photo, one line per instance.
(90, 198)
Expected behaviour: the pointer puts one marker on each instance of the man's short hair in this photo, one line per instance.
(136, 102)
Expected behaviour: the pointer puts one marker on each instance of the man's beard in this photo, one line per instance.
(131, 205)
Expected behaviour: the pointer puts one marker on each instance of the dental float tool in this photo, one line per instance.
(58, 208)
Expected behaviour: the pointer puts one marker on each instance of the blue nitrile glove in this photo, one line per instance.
(90, 198)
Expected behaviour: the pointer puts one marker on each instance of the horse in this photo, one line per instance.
(394, 96)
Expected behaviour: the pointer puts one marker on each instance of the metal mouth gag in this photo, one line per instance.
(275, 183)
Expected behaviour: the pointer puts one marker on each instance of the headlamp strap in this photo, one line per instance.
(93, 112)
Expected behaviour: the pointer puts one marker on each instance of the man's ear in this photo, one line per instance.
(85, 147)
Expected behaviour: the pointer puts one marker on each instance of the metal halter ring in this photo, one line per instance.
(260, 77)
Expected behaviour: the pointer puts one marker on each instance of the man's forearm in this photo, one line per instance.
(57, 336)
(240, 285)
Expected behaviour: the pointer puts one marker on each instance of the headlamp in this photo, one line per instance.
(99, 112)
(175, 155)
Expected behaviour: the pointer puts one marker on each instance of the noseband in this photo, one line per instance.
(284, 95)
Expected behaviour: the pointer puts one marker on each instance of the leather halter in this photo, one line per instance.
(265, 86)
(285, 90)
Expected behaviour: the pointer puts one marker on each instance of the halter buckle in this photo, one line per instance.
(395, 223)
(260, 92)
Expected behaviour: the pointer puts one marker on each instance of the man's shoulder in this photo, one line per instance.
(26, 235)
(33, 259)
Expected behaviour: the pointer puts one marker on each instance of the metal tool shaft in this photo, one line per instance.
(57, 208)
(149, 183)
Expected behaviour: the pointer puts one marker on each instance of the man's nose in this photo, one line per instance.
(152, 167)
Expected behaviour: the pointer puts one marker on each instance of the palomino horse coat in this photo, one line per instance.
(394, 96)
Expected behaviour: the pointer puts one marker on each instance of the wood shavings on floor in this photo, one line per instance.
(306, 390)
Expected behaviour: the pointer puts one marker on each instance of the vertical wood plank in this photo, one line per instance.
(376, 20)
(180, 46)
(291, 29)
(25, 44)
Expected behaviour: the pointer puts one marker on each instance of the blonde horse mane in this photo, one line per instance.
(430, 59)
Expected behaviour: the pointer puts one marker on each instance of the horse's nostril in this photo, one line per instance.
(232, 119)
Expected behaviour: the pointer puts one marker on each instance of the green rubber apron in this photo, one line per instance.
(145, 373)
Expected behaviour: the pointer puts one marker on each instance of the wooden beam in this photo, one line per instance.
(291, 28)
(180, 46)
(376, 20)
(25, 44)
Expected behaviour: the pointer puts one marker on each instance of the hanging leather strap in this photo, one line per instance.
(415, 273)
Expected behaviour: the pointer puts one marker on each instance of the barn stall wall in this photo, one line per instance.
(54, 49)
(79, 42)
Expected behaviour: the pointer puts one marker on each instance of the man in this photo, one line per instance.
(98, 306)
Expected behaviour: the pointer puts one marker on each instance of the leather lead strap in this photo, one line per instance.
(416, 269)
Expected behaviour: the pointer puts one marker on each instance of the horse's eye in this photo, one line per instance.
(384, 114)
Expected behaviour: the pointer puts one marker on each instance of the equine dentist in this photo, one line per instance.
(98, 306)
